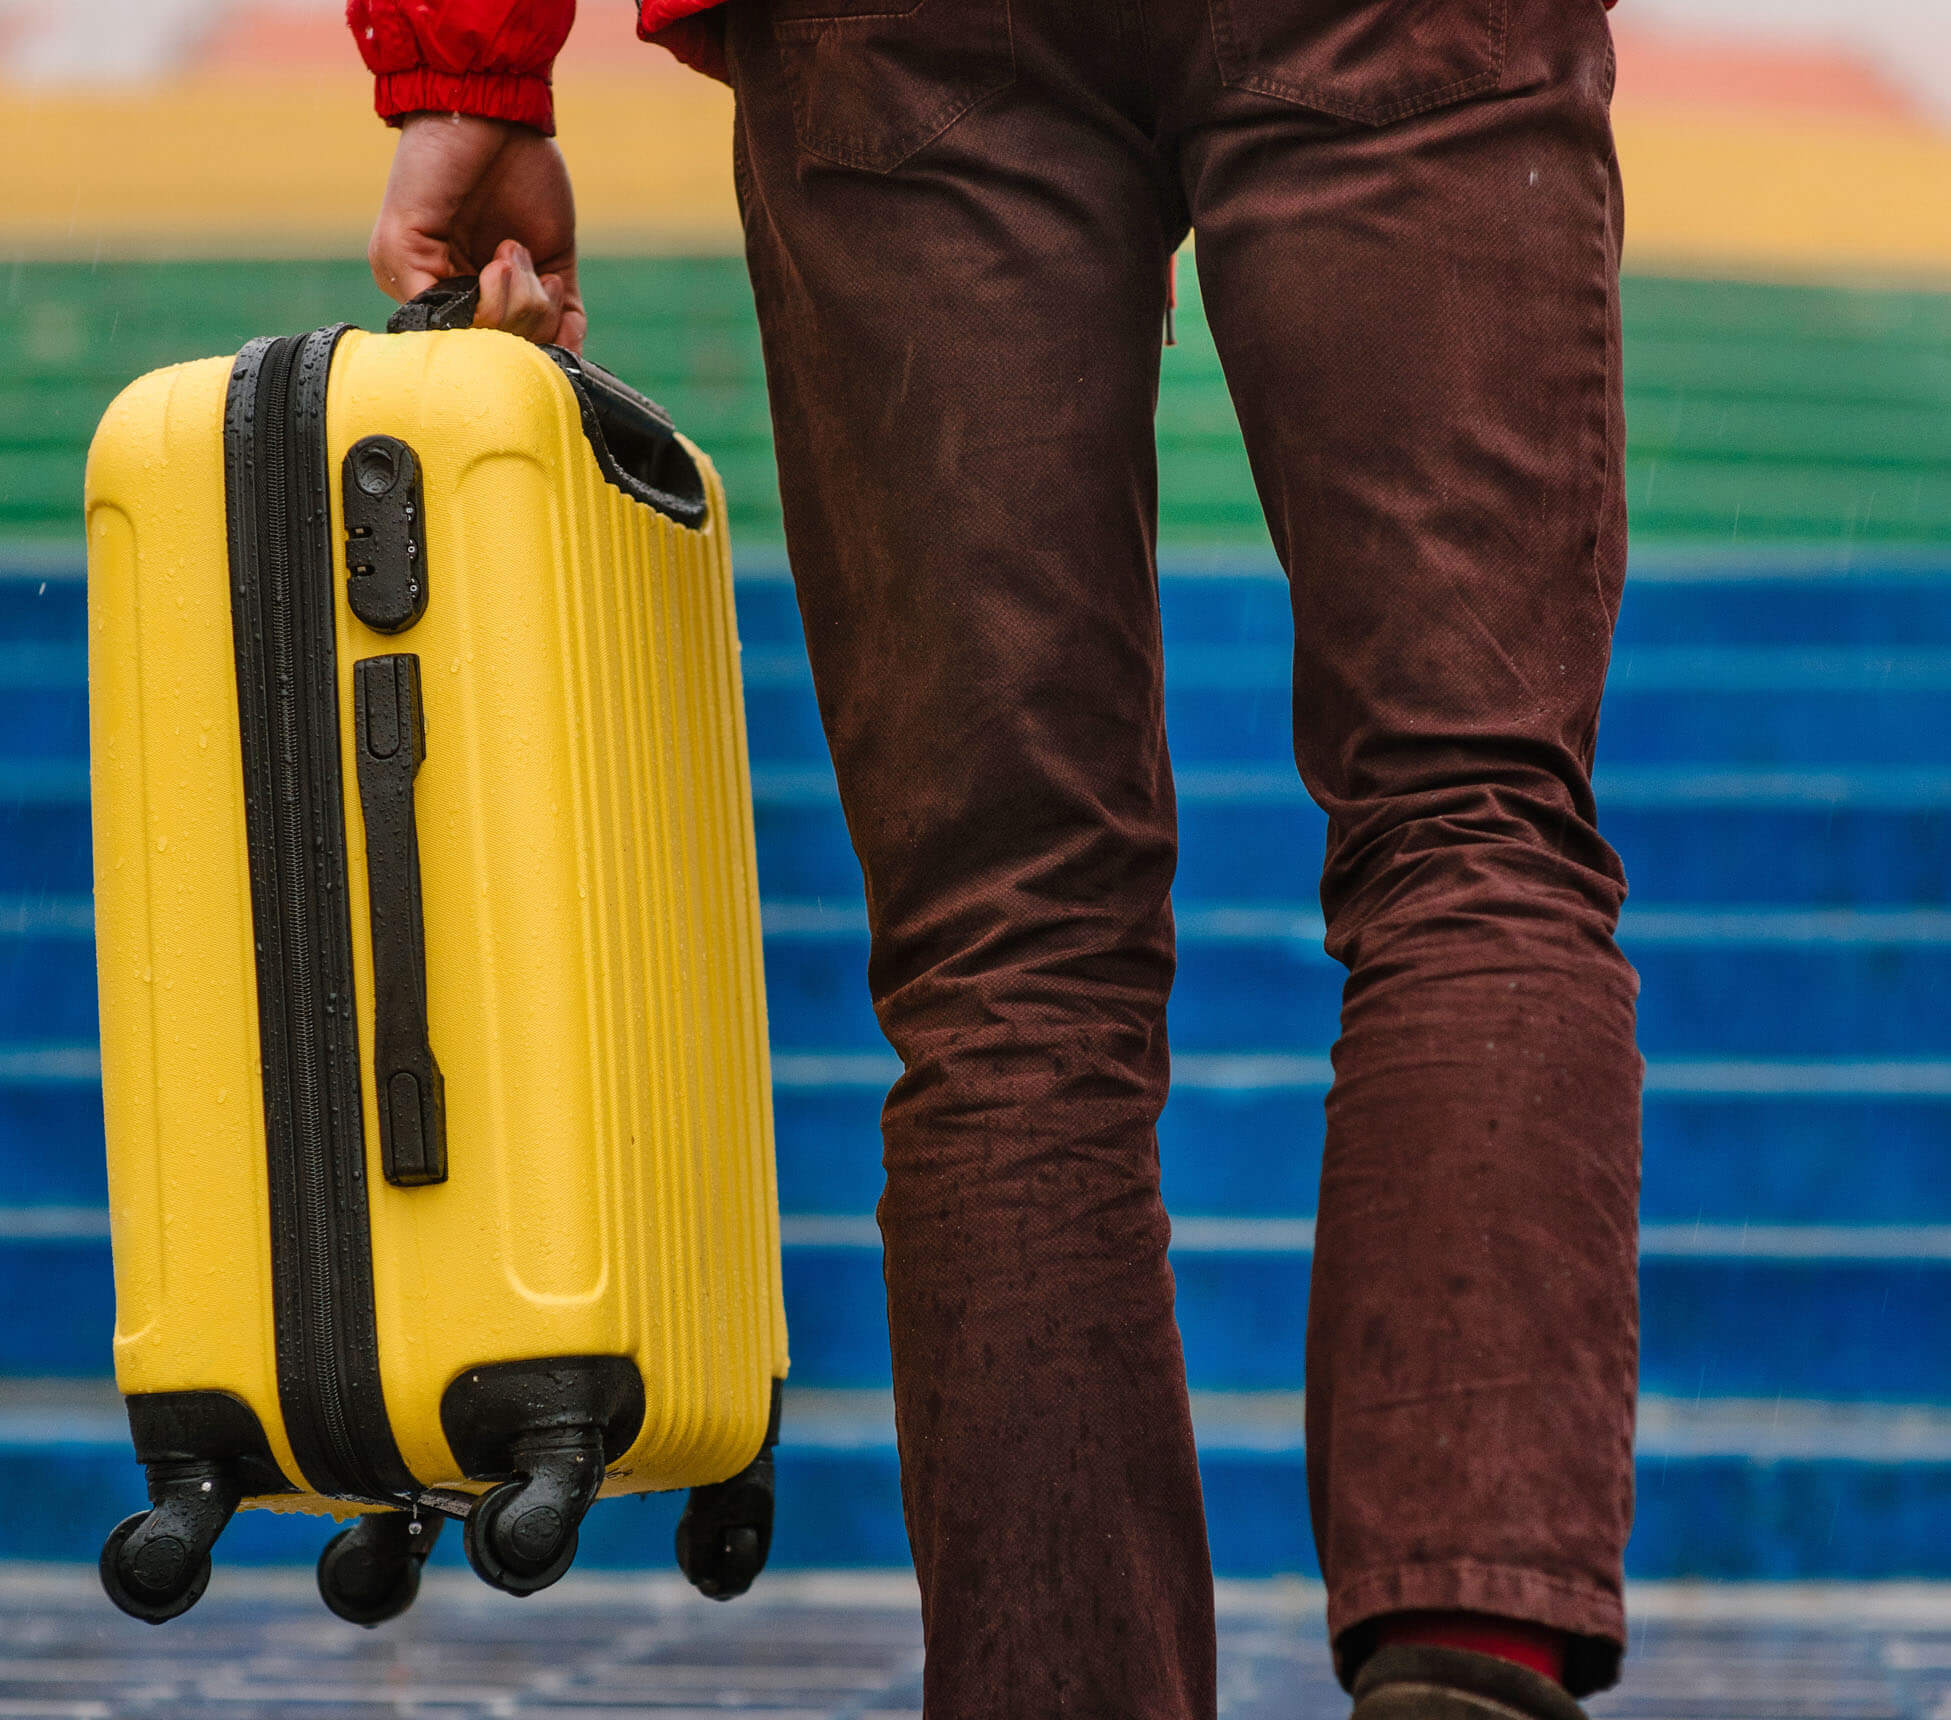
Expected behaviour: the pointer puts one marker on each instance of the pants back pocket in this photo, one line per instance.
(873, 81)
(1370, 61)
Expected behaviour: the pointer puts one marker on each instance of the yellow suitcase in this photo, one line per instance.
(433, 1022)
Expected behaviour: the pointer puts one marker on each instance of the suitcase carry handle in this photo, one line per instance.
(633, 438)
(406, 1079)
(446, 304)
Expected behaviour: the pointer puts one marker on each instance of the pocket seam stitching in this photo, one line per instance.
(1497, 24)
(803, 27)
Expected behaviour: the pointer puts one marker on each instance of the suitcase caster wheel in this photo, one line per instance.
(520, 1542)
(726, 1532)
(161, 1579)
(156, 1564)
(370, 1572)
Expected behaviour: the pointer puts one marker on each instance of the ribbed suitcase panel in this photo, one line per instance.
(673, 881)
(595, 986)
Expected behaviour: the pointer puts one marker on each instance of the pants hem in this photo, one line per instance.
(1592, 1615)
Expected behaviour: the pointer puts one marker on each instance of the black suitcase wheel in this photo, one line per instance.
(159, 1580)
(726, 1531)
(370, 1572)
(156, 1564)
(517, 1543)
(521, 1536)
(725, 1534)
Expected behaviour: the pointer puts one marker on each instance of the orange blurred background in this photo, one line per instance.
(205, 128)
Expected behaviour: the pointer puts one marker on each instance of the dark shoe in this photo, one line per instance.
(1408, 1682)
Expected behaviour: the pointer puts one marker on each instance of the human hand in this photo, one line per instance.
(470, 196)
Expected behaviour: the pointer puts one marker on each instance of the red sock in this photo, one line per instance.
(1537, 1646)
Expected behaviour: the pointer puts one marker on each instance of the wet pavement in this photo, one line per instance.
(848, 1647)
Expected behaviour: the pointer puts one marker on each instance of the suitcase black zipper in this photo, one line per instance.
(277, 483)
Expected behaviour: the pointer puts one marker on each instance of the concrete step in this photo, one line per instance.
(1727, 1141)
(1769, 738)
(1785, 707)
(1740, 982)
(1678, 597)
(1861, 689)
(1772, 1489)
(1806, 1311)
(1715, 983)
(1865, 836)
(1830, 839)
(1821, 1311)
(1745, 707)
(836, 1644)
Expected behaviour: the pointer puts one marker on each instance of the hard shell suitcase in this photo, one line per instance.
(433, 1023)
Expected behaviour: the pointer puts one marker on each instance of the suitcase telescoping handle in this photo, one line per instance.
(406, 1079)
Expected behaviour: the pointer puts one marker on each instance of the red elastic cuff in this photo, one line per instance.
(523, 99)
(1537, 1646)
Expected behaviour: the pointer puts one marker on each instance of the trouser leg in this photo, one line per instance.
(1418, 316)
(961, 333)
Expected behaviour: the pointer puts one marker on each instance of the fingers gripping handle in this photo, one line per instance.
(406, 1079)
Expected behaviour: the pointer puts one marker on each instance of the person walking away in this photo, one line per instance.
(958, 219)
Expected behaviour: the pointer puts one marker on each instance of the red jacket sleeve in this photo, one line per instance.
(487, 57)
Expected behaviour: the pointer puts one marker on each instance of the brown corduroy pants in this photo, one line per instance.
(958, 215)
